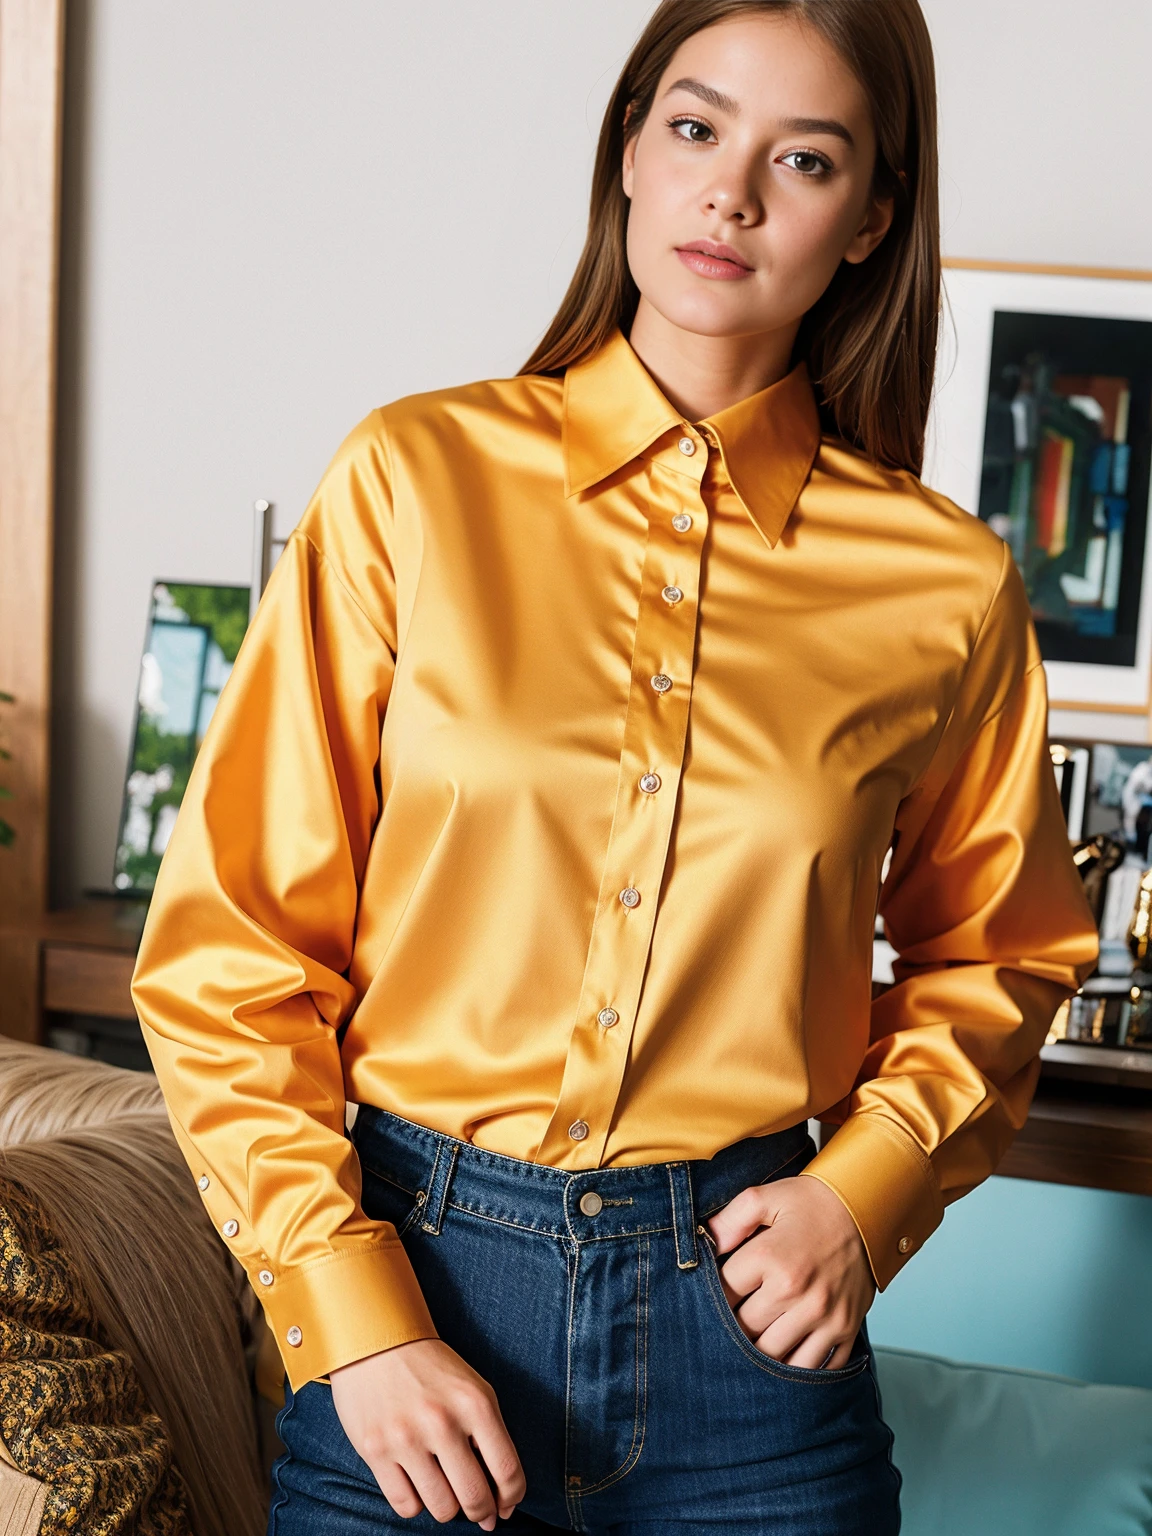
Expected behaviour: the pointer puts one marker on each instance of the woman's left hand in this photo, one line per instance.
(802, 1285)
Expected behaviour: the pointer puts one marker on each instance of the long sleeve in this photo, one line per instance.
(241, 980)
(985, 910)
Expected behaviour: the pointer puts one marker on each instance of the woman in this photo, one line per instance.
(544, 819)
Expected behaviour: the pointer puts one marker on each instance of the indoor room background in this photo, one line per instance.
(279, 215)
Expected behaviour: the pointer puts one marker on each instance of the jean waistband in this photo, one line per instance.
(584, 1205)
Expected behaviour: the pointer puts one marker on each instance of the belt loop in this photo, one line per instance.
(683, 1215)
(443, 1164)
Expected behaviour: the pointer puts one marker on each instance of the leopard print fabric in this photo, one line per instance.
(72, 1410)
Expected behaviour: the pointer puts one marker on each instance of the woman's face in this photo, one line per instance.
(751, 179)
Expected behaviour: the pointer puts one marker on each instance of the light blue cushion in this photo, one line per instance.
(986, 1451)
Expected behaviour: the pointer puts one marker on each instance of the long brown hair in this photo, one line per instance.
(870, 341)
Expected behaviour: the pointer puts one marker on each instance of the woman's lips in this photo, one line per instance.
(708, 259)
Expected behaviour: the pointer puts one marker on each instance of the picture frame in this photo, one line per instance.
(1042, 424)
(193, 635)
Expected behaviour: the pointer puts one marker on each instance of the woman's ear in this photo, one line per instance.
(877, 223)
(628, 164)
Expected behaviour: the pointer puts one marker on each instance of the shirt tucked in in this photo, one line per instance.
(547, 806)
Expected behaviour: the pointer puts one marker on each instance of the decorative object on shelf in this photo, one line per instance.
(1108, 1012)
(1070, 764)
(1138, 1026)
(1096, 859)
(194, 633)
(266, 550)
(1042, 426)
(1140, 928)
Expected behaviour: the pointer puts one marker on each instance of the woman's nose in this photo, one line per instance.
(734, 196)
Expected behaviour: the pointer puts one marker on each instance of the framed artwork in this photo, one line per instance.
(1042, 426)
(1106, 790)
(194, 633)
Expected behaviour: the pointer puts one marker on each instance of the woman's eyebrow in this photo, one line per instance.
(818, 125)
(707, 93)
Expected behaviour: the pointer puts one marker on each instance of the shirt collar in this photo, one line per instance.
(614, 410)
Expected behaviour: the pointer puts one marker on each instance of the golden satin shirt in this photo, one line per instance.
(547, 806)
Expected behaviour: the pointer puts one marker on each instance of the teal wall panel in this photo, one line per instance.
(1043, 1276)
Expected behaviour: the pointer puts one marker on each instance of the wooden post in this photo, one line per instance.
(31, 96)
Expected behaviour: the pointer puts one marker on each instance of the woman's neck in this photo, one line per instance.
(704, 374)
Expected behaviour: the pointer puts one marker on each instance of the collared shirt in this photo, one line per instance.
(547, 806)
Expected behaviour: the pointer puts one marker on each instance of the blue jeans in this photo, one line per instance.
(635, 1401)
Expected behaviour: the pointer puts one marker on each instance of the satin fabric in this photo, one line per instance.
(397, 875)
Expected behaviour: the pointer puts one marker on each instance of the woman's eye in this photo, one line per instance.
(807, 162)
(691, 129)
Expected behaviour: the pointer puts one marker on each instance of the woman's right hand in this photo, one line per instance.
(420, 1416)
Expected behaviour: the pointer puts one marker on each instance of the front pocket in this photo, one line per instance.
(384, 1200)
(804, 1375)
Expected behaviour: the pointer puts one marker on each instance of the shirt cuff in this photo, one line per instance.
(344, 1308)
(887, 1183)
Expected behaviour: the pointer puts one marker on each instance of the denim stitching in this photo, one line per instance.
(438, 1195)
(281, 1491)
(572, 1504)
(681, 1262)
(757, 1357)
(557, 1233)
(640, 1420)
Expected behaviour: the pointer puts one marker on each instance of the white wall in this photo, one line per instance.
(278, 215)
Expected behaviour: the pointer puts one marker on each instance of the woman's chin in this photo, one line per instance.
(707, 315)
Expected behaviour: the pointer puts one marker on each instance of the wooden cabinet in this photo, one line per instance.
(76, 962)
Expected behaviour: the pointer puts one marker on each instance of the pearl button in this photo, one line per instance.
(672, 596)
(904, 1244)
(687, 447)
(203, 1182)
(294, 1336)
(630, 896)
(230, 1228)
(661, 682)
(591, 1203)
(578, 1130)
(266, 1277)
(682, 522)
(650, 783)
(607, 1017)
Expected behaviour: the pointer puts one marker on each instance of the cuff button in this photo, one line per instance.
(266, 1277)
(230, 1228)
(904, 1244)
(203, 1182)
(294, 1336)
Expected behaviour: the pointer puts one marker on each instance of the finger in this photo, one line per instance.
(469, 1485)
(784, 1336)
(733, 1222)
(759, 1311)
(432, 1486)
(396, 1486)
(499, 1454)
(821, 1350)
(760, 1261)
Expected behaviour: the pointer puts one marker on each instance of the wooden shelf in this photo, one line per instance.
(79, 961)
(1092, 1134)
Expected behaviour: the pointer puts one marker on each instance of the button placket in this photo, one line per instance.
(655, 732)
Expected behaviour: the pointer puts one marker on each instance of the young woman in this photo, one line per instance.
(544, 818)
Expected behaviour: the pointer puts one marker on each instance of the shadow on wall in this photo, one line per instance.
(1041, 1276)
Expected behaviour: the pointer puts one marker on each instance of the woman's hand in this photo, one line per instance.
(419, 1416)
(801, 1287)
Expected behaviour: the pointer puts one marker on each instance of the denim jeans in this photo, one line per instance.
(636, 1403)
